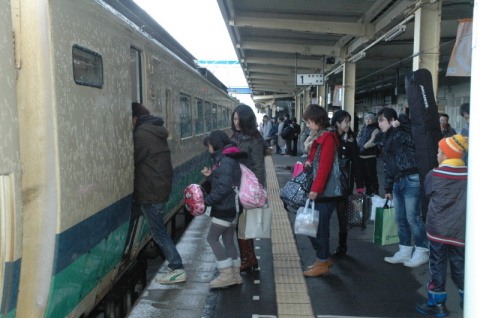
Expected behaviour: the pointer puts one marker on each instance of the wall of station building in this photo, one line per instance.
(449, 99)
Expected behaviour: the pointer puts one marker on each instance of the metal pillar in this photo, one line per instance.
(348, 100)
(321, 95)
(427, 39)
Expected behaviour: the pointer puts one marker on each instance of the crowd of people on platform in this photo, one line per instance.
(437, 236)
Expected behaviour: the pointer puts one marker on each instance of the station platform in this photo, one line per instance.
(360, 284)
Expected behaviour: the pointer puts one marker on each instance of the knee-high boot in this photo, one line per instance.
(342, 245)
(247, 255)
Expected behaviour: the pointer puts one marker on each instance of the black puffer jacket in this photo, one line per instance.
(226, 175)
(446, 188)
(153, 165)
(399, 154)
(255, 149)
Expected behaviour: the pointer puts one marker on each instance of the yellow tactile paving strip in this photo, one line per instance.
(290, 286)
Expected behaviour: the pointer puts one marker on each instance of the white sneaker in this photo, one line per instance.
(403, 255)
(176, 276)
(420, 256)
(304, 156)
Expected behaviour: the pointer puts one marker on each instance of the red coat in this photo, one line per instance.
(328, 141)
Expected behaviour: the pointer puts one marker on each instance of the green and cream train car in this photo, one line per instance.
(70, 70)
(10, 171)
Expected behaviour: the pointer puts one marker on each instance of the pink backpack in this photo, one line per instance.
(251, 193)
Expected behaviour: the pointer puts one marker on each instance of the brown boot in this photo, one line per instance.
(319, 268)
(247, 255)
(329, 262)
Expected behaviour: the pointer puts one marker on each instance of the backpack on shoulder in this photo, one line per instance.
(251, 193)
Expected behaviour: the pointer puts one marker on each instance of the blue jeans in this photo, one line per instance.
(406, 197)
(440, 254)
(153, 215)
(321, 242)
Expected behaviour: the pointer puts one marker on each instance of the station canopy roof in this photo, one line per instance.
(277, 39)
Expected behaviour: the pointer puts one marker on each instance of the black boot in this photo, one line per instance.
(342, 245)
(435, 305)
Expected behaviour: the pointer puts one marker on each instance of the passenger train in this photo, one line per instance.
(69, 72)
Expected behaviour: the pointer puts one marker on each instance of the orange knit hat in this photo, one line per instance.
(454, 147)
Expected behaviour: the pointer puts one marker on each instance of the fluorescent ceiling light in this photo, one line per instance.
(338, 70)
(393, 33)
(357, 57)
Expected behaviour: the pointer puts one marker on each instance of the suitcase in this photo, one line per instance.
(358, 210)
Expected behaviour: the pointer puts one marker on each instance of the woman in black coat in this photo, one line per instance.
(349, 165)
(249, 140)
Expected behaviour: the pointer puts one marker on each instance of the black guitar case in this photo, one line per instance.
(425, 124)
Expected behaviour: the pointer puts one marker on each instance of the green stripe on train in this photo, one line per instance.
(73, 283)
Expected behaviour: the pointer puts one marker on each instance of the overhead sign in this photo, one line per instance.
(309, 79)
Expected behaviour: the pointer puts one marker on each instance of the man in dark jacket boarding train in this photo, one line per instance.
(153, 184)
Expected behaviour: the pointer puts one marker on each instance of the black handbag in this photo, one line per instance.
(358, 210)
(287, 132)
(295, 192)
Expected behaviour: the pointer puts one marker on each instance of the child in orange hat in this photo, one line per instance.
(446, 187)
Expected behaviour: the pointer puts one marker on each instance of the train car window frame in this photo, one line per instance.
(136, 74)
(199, 120)
(224, 116)
(169, 113)
(207, 107)
(87, 67)
(214, 116)
(186, 118)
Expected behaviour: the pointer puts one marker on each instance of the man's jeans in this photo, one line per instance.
(153, 215)
(321, 242)
(439, 255)
(406, 197)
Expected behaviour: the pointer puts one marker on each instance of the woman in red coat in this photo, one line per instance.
(317, 120)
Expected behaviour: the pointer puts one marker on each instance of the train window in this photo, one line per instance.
(136, 75)
(169, 112)
(87, 67)
(208, 116)
(199, 123)
(224, 117)
(214, 116)
(185, 116)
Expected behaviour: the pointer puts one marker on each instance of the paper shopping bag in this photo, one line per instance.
(255, 223)
(385, 232)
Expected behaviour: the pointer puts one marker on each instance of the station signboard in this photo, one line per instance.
(309, 79)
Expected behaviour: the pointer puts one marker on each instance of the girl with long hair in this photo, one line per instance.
(348, 160)
(249, 140)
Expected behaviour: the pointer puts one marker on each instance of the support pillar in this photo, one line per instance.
(427, 39)
(348, 100)
(322, 96)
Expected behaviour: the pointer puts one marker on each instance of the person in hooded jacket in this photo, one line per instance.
(153, 184)
(224, 177)
(251, 142)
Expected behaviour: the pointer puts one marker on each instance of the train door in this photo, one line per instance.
(10, 187)
(136, 75)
